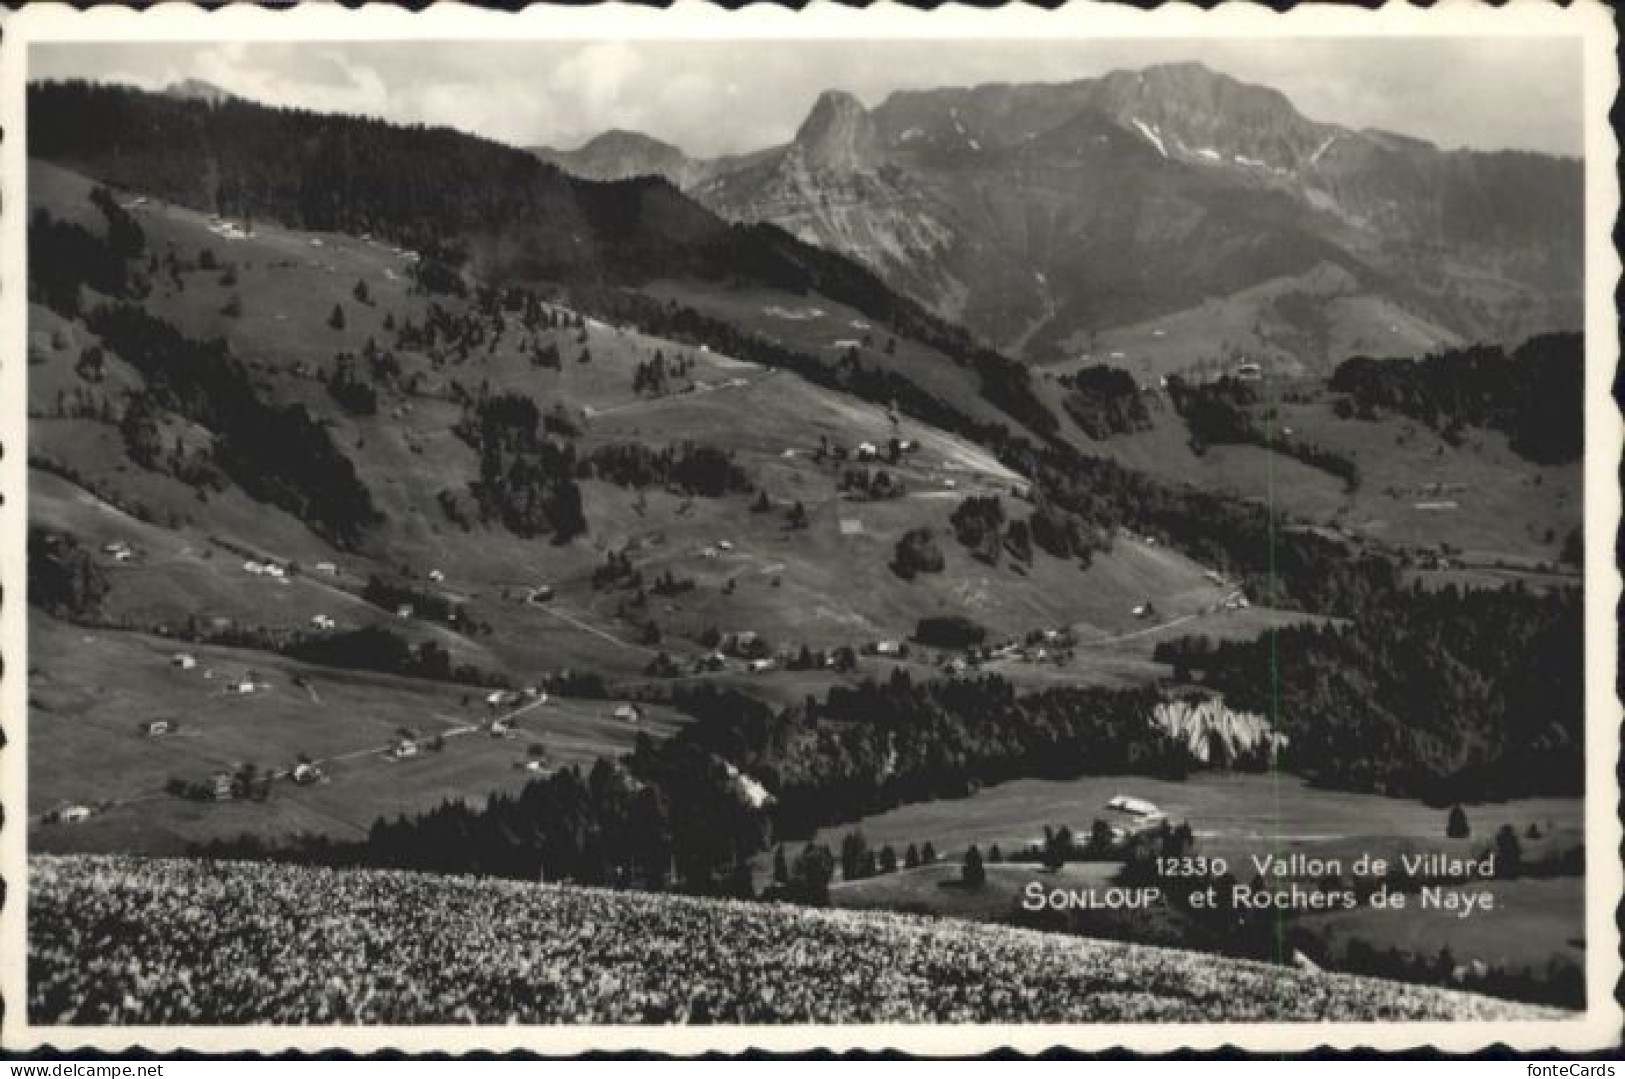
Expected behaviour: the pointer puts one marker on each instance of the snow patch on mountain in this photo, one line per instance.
(1151, 134)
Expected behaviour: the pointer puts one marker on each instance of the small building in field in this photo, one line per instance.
(1249, 372)
(157, 728)
(222, 786)
(405, 748)
(329, 568)
(436, 576)
(405, 610)
(501, 728)
(760, 666)
(305, 773)
(322, 621)
(629, 713)
(1126, 815)
(73, 814)
(183, 661)
(888, 648)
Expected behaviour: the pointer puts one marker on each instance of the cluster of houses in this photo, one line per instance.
(1039, 646)
(869, 451)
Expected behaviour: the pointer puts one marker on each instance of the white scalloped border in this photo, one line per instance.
(1588, 20)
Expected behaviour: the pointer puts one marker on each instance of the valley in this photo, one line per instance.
(579, 532)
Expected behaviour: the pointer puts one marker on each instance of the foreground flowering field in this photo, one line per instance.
(131, 941)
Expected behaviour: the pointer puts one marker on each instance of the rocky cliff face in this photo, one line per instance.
(1042, 215)
(1216, 735)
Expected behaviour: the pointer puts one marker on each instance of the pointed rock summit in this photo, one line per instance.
(838, 134)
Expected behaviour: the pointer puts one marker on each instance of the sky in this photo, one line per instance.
(726, 97)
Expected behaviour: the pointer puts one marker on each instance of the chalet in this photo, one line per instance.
(888, 648)
(436, 576)
(725, 545)
(73, 814)
(1137, 808)
(404, 611)
(866, 451)
(329, 568)
(115, 547)
(183, 660)
(716, 661)
(1127, 815)
(501, 728)
(305, 773)
(760, 666)
(157, 728)
(1144, 610)
(709, 552)
(222, 786)
(498, 698)
(256, 568)
(322, 621)
(541, 593)
(124, 555)
(273, 570)
(1249, 372)
(531, 764)
(629, 713)
(242, 687)
(404, 748)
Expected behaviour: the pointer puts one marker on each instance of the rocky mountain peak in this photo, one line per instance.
(838, 134)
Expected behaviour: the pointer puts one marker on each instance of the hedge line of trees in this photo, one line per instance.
(1535, 394)
(526, 481)
(1445, 695)
(1105, 401)
(690, 467)
(63, 577)
(276, 454)
(1221, 412)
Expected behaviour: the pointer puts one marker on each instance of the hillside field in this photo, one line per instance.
(229, 943)
(741, 567)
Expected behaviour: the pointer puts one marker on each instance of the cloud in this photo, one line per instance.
(712, 97)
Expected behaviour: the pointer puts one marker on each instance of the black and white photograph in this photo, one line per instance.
(723, 521)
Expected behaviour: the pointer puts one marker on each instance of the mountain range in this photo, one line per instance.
(1094, 219)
